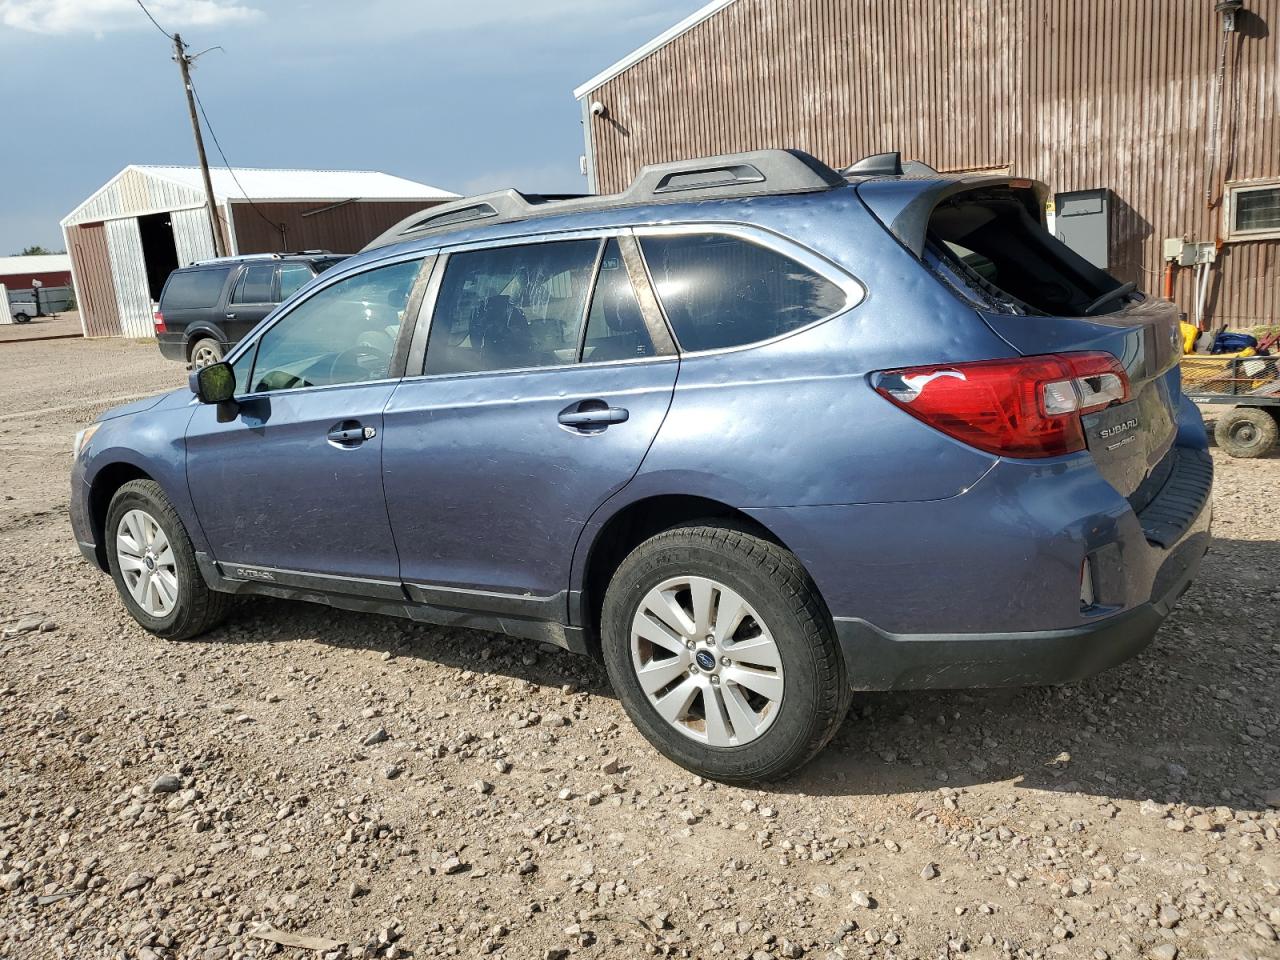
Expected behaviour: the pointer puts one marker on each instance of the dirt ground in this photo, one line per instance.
(65, 324)
(391, 790)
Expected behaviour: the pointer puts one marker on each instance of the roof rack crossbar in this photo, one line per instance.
(757, 173)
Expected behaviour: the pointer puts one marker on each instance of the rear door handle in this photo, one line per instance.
(592, 415)
(350, 433)
(230, 316)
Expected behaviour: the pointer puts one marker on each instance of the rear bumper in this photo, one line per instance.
(984, 589)
(878, 660)
(173, 346)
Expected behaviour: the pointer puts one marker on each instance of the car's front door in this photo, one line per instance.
(521, 423)
(290, 488)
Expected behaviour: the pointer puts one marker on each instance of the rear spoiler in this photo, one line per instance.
(905, 204)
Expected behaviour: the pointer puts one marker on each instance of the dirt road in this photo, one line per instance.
(398, 790)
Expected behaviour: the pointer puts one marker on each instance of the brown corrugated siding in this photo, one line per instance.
(340, 227)
(1079, 93)
(91, 263)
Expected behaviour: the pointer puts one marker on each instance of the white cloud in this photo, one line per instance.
(103, 16)
(383, 19)
(540, 178)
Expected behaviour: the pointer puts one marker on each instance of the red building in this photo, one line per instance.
(52, 270)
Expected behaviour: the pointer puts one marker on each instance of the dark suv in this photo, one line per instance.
(207, 308)
(755, 432)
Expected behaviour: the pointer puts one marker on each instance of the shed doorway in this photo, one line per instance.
(159, 252)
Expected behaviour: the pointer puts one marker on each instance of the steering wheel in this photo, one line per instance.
(366, 361)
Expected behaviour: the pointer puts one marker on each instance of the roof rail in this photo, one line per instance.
(758, 173)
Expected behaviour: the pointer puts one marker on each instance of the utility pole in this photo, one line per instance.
(184, 65)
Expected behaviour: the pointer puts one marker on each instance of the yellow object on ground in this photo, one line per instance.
(1190, 333)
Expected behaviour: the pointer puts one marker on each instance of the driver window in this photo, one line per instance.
(346, 333)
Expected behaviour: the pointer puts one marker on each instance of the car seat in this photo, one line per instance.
(628, 338)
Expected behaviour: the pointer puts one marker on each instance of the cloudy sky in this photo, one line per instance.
(461, 94)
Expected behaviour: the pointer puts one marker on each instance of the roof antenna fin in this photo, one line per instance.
(877, 165)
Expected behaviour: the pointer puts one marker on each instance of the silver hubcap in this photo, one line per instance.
(706, 661)
(147, 564)
(204, 356)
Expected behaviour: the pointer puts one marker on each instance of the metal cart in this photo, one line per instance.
(1250, 386)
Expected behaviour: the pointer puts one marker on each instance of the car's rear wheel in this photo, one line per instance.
(1246, 432)
(723, 654)
(154, 565)
(205, 352)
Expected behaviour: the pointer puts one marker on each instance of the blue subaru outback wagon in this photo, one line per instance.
(755, 432)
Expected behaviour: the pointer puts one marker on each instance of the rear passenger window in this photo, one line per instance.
(509, 308)
(193, 289)
(720, 291)
(254, 285)
(615, 325)
(292, 277)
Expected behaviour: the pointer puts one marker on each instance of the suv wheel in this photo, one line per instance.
(154, 565)
(723, 654)
(205, 352)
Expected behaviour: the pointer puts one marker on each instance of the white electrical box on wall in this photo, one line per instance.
(1193, 253)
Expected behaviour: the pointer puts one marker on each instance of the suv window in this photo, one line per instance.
(508, 308)
(615, 325)
(345, 333)
(720, 291)
(292, 278)
(193, 289)
(254, 285)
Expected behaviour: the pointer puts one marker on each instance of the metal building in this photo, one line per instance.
(1151, 119)
(127, 237)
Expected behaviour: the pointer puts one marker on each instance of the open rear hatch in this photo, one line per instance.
(985, 237)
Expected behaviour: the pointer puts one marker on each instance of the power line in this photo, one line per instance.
(144, 9)
(227, 163)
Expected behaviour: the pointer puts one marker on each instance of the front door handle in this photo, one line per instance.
(230, 316)
(592, 416)
(350, 433)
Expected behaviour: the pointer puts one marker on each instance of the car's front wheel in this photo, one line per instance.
(723, 654)
(154, 565)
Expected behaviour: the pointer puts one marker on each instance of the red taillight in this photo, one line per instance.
(158, 318)
(1028, 407)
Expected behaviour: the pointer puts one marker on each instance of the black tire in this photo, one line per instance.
(21, 318)
(207, 346)
(198, 608)
(816, 693)
(1246, 432)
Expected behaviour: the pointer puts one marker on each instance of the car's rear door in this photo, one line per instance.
(288, 489)
(521, 419)
(252, 297)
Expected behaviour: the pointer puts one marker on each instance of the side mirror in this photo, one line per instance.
(215, 383)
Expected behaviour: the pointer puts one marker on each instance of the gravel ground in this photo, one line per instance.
(65, 324)
(382, 789)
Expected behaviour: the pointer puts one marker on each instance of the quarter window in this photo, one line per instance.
(719, 291)
(346, 333)
(254, 285)
(615, 325)
(193, 289)
(509, 308)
